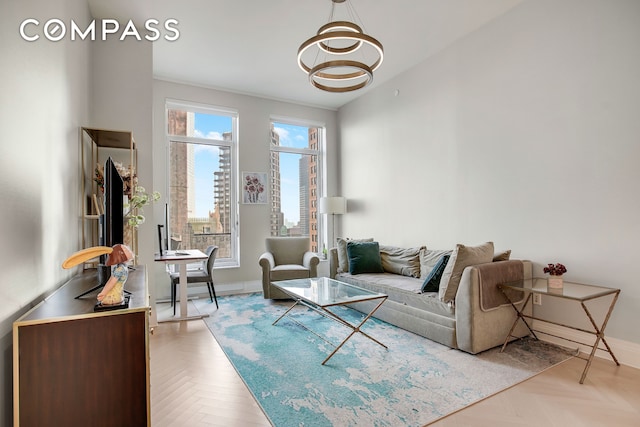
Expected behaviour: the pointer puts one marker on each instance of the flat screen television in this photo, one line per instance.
(111, 228)
(113, 222)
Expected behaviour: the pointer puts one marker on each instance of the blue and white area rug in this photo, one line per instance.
(413, 383)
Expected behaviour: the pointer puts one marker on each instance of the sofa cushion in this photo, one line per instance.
(405, 262)
(288, 272)
(462, 257)
(364, 257)
(343, 259)
(432, 282)
(403, 290)
(429, 258)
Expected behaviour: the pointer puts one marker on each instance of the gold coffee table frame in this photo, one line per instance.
(318, 294)
(570, 291)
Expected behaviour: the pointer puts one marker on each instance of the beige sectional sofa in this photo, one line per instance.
(466, 312)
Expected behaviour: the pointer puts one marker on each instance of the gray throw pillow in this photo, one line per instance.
(402, 261)
(502, 256)
(462, 257)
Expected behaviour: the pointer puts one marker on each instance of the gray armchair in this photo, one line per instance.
(286, 258)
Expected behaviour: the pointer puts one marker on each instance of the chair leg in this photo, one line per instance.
(209, 289)
(215, 298)
(173, 297)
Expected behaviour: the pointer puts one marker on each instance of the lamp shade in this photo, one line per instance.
(333, 205)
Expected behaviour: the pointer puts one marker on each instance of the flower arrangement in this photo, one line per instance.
(137, 200)
(99, 177)
(137, 195)
(129, 180)
(555, 269)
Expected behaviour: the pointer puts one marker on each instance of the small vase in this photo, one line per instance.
(554, 282)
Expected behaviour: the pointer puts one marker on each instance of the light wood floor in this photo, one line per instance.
(193, 384)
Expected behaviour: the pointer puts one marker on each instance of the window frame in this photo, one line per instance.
(234, 260)
(321, 174)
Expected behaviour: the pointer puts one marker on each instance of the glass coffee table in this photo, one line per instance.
(321, 293)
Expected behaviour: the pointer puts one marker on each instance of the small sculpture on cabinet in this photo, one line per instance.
(113, 292)
(112, 296)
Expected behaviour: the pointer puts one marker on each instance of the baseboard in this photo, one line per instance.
(627, 353)
(222, 289)
(239, 287)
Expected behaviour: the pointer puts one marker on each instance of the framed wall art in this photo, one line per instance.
(254, 188)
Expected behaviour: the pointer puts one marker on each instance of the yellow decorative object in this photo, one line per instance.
(85, 255)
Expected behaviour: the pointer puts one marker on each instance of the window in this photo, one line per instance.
(202, 147)
(296, 156)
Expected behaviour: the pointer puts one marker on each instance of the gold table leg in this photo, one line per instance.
(599, 336)
(354, 329)
(329, 314)
(519, 316)
(286, 312)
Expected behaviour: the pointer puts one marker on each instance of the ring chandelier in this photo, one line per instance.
(344, 67)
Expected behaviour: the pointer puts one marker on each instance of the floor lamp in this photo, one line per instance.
(335, 206)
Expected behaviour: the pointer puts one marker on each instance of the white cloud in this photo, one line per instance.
(202, 148)
(285, 139)
(210, 135)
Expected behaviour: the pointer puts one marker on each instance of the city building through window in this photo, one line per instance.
(296, 180)
(202, 151)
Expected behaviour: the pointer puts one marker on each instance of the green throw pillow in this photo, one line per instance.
(343, 259)
(432, 282)
(364, 257)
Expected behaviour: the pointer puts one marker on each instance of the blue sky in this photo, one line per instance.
(206, 160)
(206, 163)
(291, 136)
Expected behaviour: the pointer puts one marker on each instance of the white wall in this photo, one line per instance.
(45, 99)
(254, 125)
(122, 100)
(525, 133)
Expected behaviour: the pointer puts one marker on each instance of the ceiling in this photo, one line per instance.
(250, 46)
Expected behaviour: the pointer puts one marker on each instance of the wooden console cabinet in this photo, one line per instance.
(76, 367)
